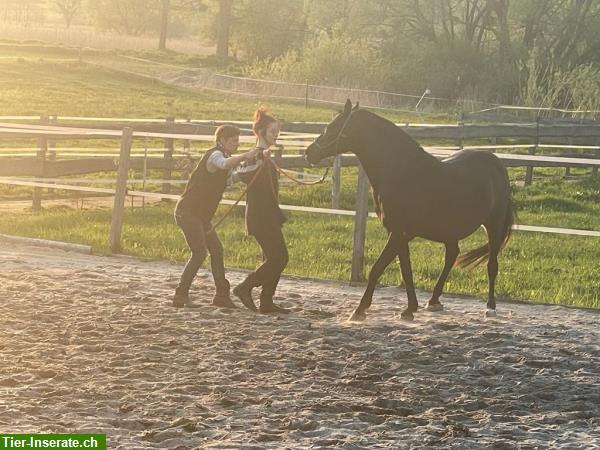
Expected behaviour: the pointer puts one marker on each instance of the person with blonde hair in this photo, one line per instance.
(264, 218)
(196, 208)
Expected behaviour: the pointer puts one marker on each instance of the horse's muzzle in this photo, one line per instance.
(310, 155)
(308, 160)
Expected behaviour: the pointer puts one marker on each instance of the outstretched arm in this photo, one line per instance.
(218, 161)
(234, 161)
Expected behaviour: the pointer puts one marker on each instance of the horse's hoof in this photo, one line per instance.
(434, 307)
(358, 317)
(490, 313)
(407, 315)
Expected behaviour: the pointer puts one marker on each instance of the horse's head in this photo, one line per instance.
(332, 140)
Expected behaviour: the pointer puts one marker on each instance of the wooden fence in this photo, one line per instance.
(44, 166)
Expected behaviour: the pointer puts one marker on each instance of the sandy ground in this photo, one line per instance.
(91, 344)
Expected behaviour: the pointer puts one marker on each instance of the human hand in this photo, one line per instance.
(252, 154)
(266, 153)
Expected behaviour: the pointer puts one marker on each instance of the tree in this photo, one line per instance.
(130, 17)
(268, 28)
(164, 25)
(68, 9)
(223, 27)
(23, 11)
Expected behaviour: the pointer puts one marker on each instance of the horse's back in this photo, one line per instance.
(447, 200)
(478, 167)
(475, 161)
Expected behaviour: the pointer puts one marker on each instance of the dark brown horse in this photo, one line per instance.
(416, 195)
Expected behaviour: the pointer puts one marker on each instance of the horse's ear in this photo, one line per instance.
(355, 107)
(347, 106)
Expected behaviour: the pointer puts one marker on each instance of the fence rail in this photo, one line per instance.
(41, 166)
(308, 209)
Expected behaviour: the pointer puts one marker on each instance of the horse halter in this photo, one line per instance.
(340, 135)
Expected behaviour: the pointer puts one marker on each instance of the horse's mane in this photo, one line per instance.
(400, 139)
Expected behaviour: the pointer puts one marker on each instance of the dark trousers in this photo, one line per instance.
(275, 258)
(201, 243)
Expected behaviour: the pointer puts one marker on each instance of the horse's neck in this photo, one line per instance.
(371, 166)
(387, 146)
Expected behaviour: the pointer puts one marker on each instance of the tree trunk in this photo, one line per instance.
(164, 24)
(223, 28)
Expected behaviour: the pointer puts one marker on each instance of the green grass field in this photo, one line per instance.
(535, 267)
(51, 84)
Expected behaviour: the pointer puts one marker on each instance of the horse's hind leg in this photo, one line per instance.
(385, 258)
(451, 255)
(495, 243)
(413, 304)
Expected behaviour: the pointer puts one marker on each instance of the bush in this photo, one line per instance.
(336, 61)
(577, 89)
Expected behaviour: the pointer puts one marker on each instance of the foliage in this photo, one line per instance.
(501, 51)
(576, 89)
(267, 28)
(131, 17)
(69, 9)
(22, 11)
(457, 49)
(330, 60)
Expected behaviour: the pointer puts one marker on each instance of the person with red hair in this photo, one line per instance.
(264, 218)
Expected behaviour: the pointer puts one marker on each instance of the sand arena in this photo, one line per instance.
(91, 344)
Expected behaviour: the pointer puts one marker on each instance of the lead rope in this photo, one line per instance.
(238, 200)
(272, 183)
(296, 180)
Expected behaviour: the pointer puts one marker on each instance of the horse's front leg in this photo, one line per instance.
(385, 258)
(451, 254)
(404, 257)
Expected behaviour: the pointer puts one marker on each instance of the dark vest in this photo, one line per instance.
(262, 200)
(203, 192)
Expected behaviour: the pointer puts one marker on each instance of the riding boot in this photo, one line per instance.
(243, 291)
(268, 307)
(222, 298)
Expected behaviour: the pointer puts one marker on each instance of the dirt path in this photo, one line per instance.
(91, 344)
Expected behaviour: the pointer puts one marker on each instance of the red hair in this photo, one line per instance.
(262, 119)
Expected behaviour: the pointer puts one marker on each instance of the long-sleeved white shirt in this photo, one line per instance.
(216, 161)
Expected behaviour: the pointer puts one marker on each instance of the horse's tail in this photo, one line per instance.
(481, 254)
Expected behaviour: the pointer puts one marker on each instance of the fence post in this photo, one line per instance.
(120, 192)
(568, 168)
(595, 168)
(51, 154)
(532, 151)
(306, 95)
(300, 170)
(336, 182)
(360, 225)
(278, 152)
(41, 154)
(168, 157)
(186, 142)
